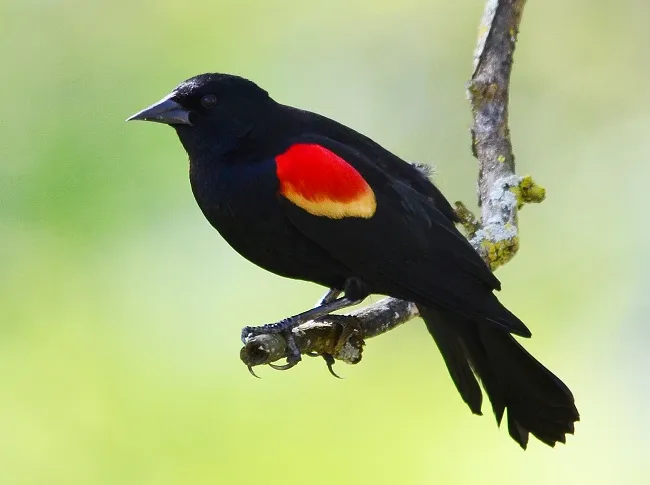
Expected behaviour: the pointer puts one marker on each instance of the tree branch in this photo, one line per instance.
(501, 191)
(501, 194)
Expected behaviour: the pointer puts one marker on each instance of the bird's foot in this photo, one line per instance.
(349, 344)
(293, 352)
(283, 327)
(329, 361)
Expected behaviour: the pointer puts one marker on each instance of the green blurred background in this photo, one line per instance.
(120, 307)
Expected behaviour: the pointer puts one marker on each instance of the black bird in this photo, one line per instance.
(308, 198)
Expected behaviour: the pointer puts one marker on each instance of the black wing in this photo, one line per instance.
(409, 248)
(409, 174)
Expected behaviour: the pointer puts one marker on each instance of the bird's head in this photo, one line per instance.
(219, 107)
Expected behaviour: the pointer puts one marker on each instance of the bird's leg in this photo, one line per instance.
(292, 322)
(355, 292)
(286, 326)
(331, 295)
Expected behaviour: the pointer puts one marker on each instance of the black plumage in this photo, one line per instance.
(397, 238)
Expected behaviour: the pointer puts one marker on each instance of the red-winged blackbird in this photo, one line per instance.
(308, 198)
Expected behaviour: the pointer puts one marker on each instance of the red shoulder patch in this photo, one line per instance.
(324, 184)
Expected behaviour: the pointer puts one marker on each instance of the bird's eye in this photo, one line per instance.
(208, 101)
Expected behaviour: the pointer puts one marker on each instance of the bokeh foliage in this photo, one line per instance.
(120, 307)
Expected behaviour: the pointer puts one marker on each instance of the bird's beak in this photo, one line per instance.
(165, 111)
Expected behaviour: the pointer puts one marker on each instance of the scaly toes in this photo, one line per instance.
(293, 352)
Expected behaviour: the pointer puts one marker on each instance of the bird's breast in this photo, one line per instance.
(241, 202)
(235, 193)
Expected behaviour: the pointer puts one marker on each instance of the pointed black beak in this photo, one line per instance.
(165, 111)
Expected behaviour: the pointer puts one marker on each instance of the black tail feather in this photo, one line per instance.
(459, 367)
(537, 401)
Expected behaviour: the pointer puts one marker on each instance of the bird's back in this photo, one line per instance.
(414, 175)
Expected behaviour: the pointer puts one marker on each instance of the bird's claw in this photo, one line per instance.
(349, 325)
(293, 352)
(283, 327)
(286, 366)
(250, 369)
(329, 360)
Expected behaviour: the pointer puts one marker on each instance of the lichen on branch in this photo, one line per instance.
(502, 193)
